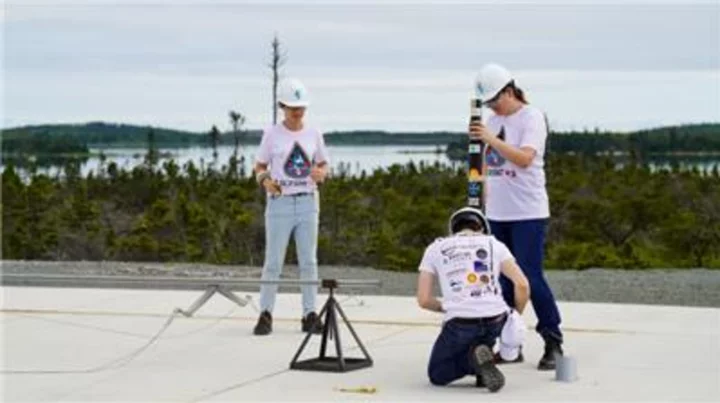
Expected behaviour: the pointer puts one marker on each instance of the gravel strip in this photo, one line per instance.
(685, 287)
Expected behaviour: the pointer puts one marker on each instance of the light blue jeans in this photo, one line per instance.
(285, 216)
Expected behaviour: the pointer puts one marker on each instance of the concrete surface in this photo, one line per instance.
(624, 352)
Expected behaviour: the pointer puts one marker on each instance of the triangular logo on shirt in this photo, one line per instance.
(297, 165)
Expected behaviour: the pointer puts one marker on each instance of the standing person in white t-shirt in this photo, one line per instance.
(467, 264)
(291, 161)
(516, 201)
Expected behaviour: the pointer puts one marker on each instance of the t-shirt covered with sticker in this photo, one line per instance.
(515, 193)
(291, 156)
(467, 267)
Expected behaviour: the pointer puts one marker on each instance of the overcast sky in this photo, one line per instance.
(404, 66)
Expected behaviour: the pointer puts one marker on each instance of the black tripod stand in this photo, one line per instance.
(330, 330)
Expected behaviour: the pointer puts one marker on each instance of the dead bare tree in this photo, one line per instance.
(214, 136)
(237, 120)
(278, 59)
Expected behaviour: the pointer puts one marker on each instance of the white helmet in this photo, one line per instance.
(491, 80)
(472, 214)
(292, 93)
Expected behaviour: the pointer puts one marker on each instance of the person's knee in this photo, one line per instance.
(272, 267)
(436, 379)
(307, 264)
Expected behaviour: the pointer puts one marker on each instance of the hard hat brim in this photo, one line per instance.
(492, 95)
(495, 93)
(295, 104)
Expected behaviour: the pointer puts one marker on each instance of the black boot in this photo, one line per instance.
(488, 375)
(264, 324)
(553, 347)
(311, 323)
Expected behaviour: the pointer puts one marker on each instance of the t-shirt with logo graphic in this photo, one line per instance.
(468, 269)
(515, 193)
(291, 156)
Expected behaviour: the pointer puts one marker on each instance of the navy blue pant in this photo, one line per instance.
(526, 241)
(451, 355)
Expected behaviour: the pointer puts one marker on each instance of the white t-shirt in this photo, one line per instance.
(291, 156)
(468, 266)
(515, 193)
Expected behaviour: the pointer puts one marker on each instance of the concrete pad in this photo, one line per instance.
(624, 352)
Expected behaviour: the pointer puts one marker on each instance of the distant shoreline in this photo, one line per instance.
(696, 141)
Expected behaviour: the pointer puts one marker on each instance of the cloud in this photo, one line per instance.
(393, 66)
(665, 37)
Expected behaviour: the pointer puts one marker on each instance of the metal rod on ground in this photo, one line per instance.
(224, 286)
(210, 285)
(211, 290)
(158, 282)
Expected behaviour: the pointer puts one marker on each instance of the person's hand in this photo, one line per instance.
(480, 132)
(272, 186)
(318, 174)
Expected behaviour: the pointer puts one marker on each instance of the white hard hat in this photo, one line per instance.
(292, 93)
(472, 214)
(491, 80)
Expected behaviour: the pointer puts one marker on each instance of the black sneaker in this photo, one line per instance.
(264, 324)
(311, 323)
(488, 374)
(552, 348)
(499, 360)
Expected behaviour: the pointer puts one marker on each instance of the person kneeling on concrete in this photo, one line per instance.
(468, 264)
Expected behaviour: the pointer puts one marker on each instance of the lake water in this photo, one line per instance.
(351, 159)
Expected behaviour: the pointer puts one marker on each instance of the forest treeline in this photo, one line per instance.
(690, 140)
(73, 139)
(603, 215)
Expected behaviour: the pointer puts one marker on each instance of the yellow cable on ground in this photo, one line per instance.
(361, 389)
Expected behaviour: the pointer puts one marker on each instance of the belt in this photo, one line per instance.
(301, 194)
(476, 321)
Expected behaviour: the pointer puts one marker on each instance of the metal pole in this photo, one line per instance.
(158, 282)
